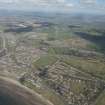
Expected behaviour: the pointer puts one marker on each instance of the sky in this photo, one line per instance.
(55, 5)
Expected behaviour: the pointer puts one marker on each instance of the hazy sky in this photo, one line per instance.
(55, 5)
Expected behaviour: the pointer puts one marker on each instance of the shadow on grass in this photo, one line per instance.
(19, 30)
(99, 41)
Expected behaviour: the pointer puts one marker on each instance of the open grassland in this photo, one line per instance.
(101, 99)
(45, 61)
(2, 28)
(94, 67)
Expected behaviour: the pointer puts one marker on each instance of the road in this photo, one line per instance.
(13, 93)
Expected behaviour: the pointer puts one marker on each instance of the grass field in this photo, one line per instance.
(92, 66)
(101, 99)
(45, 61)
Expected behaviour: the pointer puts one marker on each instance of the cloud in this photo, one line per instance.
(54, 3)
(88, 1)
(8, 1)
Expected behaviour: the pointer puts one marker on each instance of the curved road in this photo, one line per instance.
(13, 93)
